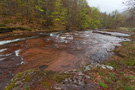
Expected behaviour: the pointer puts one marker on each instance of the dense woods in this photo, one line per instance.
(58, 14)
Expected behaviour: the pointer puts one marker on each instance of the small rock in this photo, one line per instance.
(80, 73)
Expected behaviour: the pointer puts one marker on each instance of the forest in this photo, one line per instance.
(57, 14)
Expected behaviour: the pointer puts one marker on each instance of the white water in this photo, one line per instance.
(2, 50)
(17, 52)
(1, 59)
(15, 40)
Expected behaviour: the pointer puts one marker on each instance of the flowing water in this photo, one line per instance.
(55, 51)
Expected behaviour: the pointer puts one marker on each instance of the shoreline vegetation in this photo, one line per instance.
(36, 15)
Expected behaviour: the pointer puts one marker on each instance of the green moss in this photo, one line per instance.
(100, 73)
(113, 76)
(118, 86)
(133, 83)
(26, 87)
(11, 85)
(131, 77)
(18, 75)
(103, 85)
(109, 78)
(56, 76)
(125, 43)
(21, 77)
(46, 83)
(120, 73)
(128, 88)
(60, 78)
(27, 78)
(113, 64)
(129, 62)
(45, 78)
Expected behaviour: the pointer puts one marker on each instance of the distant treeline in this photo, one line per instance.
(66, 14)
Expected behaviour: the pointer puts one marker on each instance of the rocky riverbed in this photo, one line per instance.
(55, 51)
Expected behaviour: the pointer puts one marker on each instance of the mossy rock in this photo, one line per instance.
(37, 78)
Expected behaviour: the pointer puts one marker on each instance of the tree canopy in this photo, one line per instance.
(63, 14)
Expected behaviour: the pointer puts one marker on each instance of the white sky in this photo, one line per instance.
(108, 5)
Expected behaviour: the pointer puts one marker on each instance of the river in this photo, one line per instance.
(55, 51)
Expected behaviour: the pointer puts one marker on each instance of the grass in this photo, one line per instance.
(124, 67)
(128, 88)
(131, 77)
(107, 80)
(103, 85)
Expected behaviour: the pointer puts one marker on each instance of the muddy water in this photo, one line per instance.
(54, 51)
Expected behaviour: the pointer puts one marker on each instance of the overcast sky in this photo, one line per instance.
(108, 5)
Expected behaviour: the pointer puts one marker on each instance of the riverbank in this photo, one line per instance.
(123, 74)
(20, 24)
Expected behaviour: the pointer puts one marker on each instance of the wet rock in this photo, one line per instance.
(2, 50)
(54, 33)
(78, 81)
(80, 73)
(42, 67)
(95, 65)
(111, 33)
(100, 32)
(60, 51)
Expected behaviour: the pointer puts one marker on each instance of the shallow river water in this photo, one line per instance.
(55, 51)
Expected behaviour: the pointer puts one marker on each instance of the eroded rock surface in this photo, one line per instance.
(55, 51)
